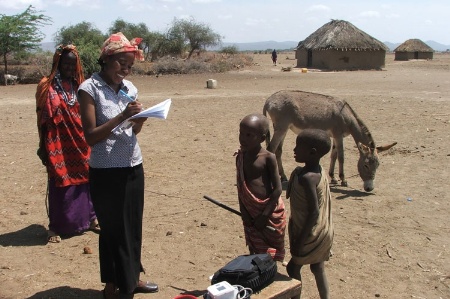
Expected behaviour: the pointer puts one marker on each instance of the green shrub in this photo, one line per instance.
(229, 50)
(39, 64)
(89, 55)
(206, 63)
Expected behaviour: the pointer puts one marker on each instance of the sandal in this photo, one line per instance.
(52, 237)
(95, 227)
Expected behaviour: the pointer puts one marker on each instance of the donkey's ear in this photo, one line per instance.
(364, 149)
(385, 147)
(263, 138)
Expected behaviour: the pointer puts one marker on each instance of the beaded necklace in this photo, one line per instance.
(70, 98)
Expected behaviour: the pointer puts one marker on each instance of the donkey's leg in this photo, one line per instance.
(279, 153)
(340, 157)
(333, 158)
(275, 146)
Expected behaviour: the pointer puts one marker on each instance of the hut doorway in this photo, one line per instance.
(309, 62)
(416, 55)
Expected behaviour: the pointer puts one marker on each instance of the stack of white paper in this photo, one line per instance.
(158, 111)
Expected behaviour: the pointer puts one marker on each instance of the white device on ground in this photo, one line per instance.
(222, 290)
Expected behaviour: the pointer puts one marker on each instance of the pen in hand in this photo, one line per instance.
(126, 95)
(133, 107)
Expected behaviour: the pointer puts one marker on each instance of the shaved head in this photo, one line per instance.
(257, 121)
(315, 138)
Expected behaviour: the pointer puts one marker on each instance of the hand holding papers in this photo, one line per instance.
(159, 111)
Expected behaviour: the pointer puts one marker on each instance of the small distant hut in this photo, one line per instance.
(413, 49)
(339, 45)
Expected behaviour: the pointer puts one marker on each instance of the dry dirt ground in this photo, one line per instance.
(391, 243)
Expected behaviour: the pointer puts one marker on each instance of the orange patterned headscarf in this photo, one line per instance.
(118, 43)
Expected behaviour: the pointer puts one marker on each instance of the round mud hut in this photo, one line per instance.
(413, 49)
(339, 45)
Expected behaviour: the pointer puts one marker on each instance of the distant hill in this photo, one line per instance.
(257, 46)
(391, 46)
(437, 46)
(269, 45)
(48, 46)
(261, 46)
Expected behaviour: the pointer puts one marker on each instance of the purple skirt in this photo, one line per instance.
(70, 209)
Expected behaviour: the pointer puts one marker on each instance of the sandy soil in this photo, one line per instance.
(390, 243)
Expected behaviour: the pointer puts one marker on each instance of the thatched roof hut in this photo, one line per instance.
(413, 49)
(339, 45)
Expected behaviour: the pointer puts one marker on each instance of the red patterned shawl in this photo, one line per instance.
(64, 141)
(265, 241)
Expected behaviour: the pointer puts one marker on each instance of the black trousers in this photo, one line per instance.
(118, 198)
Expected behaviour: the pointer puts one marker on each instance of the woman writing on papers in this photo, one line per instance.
(116, 174)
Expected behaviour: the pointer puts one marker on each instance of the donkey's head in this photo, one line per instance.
(368, 162)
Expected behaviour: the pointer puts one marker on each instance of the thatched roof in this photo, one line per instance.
(341, 35)
(413, 45)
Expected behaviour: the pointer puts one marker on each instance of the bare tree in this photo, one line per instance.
(195, 35)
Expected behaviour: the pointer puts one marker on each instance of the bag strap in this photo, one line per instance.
(259, 263)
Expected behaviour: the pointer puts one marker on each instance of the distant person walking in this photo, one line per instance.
(274, 57)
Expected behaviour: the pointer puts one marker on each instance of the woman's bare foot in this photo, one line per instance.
(52, 237)
(95, 227)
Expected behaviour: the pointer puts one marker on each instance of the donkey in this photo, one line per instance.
(297, 110)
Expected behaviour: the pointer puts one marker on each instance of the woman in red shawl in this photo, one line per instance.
(63, 148)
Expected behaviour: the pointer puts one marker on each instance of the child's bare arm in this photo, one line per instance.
(309, 182)
(245, 216)
(272, 167)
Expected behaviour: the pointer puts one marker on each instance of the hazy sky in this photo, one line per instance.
(254, 20)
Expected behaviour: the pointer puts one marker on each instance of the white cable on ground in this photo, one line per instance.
(243, 293)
